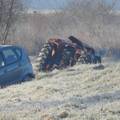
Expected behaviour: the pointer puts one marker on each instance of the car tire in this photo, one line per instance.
(27, 78)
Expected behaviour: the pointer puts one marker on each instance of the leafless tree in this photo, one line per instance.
(9, 11)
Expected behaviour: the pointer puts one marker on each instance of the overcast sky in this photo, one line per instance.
(53, 4)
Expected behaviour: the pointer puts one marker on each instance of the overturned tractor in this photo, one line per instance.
(57, 53)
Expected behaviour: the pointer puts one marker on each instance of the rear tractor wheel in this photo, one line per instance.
(41, 62)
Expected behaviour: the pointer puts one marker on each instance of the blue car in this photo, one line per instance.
(15, 65)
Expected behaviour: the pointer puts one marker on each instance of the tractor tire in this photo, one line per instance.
(41, 62)
(81, 60)
(84, 59)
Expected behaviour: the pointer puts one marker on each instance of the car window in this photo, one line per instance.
(1, 61)
(10, 56)
(18, 51)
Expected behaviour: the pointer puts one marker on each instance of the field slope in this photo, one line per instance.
(77, 93)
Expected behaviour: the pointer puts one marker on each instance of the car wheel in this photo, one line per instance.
(27, 78)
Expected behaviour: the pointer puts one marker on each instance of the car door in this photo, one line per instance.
(12, 66)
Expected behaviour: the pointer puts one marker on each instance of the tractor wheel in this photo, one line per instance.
(81, 60)
(45, 53)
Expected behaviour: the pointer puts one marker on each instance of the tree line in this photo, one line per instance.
(95, 22)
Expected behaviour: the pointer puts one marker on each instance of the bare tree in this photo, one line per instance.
(9, 11)
(95, 15)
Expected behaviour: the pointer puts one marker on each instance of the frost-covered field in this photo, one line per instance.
(77, 93)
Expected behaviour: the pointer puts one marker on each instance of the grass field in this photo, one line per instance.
(77, 93)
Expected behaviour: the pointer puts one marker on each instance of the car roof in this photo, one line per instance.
(6, 46)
